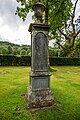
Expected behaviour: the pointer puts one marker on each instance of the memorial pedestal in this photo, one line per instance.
(39, 94)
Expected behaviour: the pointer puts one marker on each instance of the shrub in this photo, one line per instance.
(64, 61)
(15, 61)
(26, 61)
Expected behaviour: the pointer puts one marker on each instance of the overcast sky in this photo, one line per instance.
(12, 28)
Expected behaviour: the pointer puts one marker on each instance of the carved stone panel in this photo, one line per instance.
(40, 82)
(40, 52)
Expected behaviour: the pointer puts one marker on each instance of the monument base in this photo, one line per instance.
(39, 98)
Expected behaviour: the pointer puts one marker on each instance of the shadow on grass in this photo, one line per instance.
(77, 86)
(52, 70)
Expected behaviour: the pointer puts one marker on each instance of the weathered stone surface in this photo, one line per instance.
(39, 94)
(39, 41)
(39, 73)
(39, 98)
(40, 54)
(38, 27)
(40, 82)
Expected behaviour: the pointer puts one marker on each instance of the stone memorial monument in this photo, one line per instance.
(39, 93)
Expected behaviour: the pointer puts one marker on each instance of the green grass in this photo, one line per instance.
(65, 84)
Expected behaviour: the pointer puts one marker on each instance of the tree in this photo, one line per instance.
(77, 47)
(1, 49)
(15, 50)
(4, 51)
(52, 8)
(23, 52)
(60, 15)
(53, 52)
(68, 33)
(10, 50)
(28, 52)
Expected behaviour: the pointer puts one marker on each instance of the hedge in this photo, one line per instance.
(15, 61)
(64, 61)
(26, 61)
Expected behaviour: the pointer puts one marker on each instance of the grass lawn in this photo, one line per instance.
(65, 84)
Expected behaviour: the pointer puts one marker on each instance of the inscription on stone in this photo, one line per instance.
(40, 53)
(40, 82)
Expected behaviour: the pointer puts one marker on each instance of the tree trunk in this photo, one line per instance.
(70, 52)
(46, 12)
(46, 22)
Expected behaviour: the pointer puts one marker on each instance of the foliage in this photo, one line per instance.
(77, 45)
(64, 61)
(67, 33)
(59, 14)
(26, 61)
(53, 52)
(65, 84)
(10, 50)
(16, 50)
(15, 61)
(7, 48)
(1, 49)
(28, 52)
(4, 51)
(55, 8)
(23, 52)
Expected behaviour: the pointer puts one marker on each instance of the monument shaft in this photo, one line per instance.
(39, 94)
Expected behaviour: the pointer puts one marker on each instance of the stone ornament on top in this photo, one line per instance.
(39, 8)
